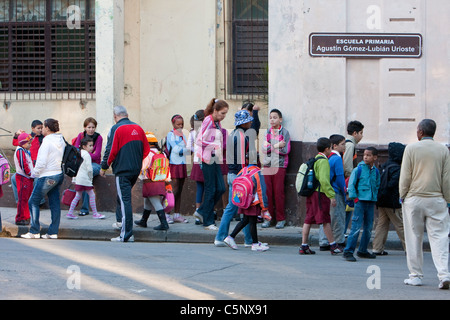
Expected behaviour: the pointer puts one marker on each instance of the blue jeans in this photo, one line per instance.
(49, 186)
(228, 215)
(362, 217)
(96, 171)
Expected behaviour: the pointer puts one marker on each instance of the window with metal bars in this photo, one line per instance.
(248, 57)
(40, 56)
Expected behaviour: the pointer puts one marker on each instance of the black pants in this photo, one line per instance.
(214, 188)
(252, 220)
(124, 184)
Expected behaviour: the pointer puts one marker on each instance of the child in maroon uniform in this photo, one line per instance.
(24, 182)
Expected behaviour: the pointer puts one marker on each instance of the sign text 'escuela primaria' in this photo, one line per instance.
(371, 45)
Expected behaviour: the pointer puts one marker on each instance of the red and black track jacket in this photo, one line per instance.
(127, 146)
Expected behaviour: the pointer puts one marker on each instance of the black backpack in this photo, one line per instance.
(71, 160)
(306, 174)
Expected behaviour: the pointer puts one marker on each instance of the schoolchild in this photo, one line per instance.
(363, 185)
(253, 109)
(24, 181)
(257, 208)
(355, 131)
(83, 180)
(276, 148)
(177, 147)
(196, 171)
(153, 190)
(337, 180)
(36, 132)
(318, 204)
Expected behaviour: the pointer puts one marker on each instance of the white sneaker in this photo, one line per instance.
(413, 281)
(169, 219)
(444, 284)
(211, 228)
(119, 239)
(49, 236)
(229, 241)
(249, 245)
(198, 216)
(30, 235)
(117, 225)
(259, 247)
(218, 243)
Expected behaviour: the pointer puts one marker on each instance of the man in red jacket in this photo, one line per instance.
(127, 146)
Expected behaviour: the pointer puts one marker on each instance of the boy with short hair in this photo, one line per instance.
(318, 204)
(364, 184)
(355, 130)
(337, 180)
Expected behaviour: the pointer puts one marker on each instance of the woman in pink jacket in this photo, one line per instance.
(210, 142)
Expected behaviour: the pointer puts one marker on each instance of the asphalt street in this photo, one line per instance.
(97, 270)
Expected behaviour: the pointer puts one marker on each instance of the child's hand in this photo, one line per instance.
(333, 202)
(266, 215)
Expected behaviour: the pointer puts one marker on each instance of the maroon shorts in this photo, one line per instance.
(82, 188)
(316, 214)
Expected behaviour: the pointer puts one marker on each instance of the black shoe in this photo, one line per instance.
(382, 253)
(143, 222)
(349, 257)
(162, 218)
(366, 255)
(82, 214)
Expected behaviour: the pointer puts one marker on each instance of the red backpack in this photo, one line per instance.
(242, 188)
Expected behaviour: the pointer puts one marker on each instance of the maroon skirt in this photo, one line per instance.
(196, 173)
(150, 189)
(251, 211)
(178, 171)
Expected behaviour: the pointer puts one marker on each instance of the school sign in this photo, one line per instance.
(365, 45)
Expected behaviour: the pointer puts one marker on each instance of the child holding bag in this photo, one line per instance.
(152, 191)
(83, 180)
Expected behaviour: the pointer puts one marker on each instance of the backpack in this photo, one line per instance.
(5, 171)
(307, 182)
(386, 195)
(159, 169)
(242, 187)
(71, 160)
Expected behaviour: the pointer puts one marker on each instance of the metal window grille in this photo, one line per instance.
(247, 59)
(40, 56)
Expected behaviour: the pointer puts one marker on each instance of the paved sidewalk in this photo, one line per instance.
(87, 228)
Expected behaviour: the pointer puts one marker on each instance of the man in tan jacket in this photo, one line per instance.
(425, 191)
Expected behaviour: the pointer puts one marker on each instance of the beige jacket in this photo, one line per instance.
(425, 170)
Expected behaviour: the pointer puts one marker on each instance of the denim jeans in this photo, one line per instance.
(228, 215)
(362, 217)
(214, 188)
(96, 171)
(49, 186)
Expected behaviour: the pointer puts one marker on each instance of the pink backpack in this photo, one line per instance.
(242, 188)
(5, 171)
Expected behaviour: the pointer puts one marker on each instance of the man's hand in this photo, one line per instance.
(103, 173)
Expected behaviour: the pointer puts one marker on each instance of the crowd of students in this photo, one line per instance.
(347, 188)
